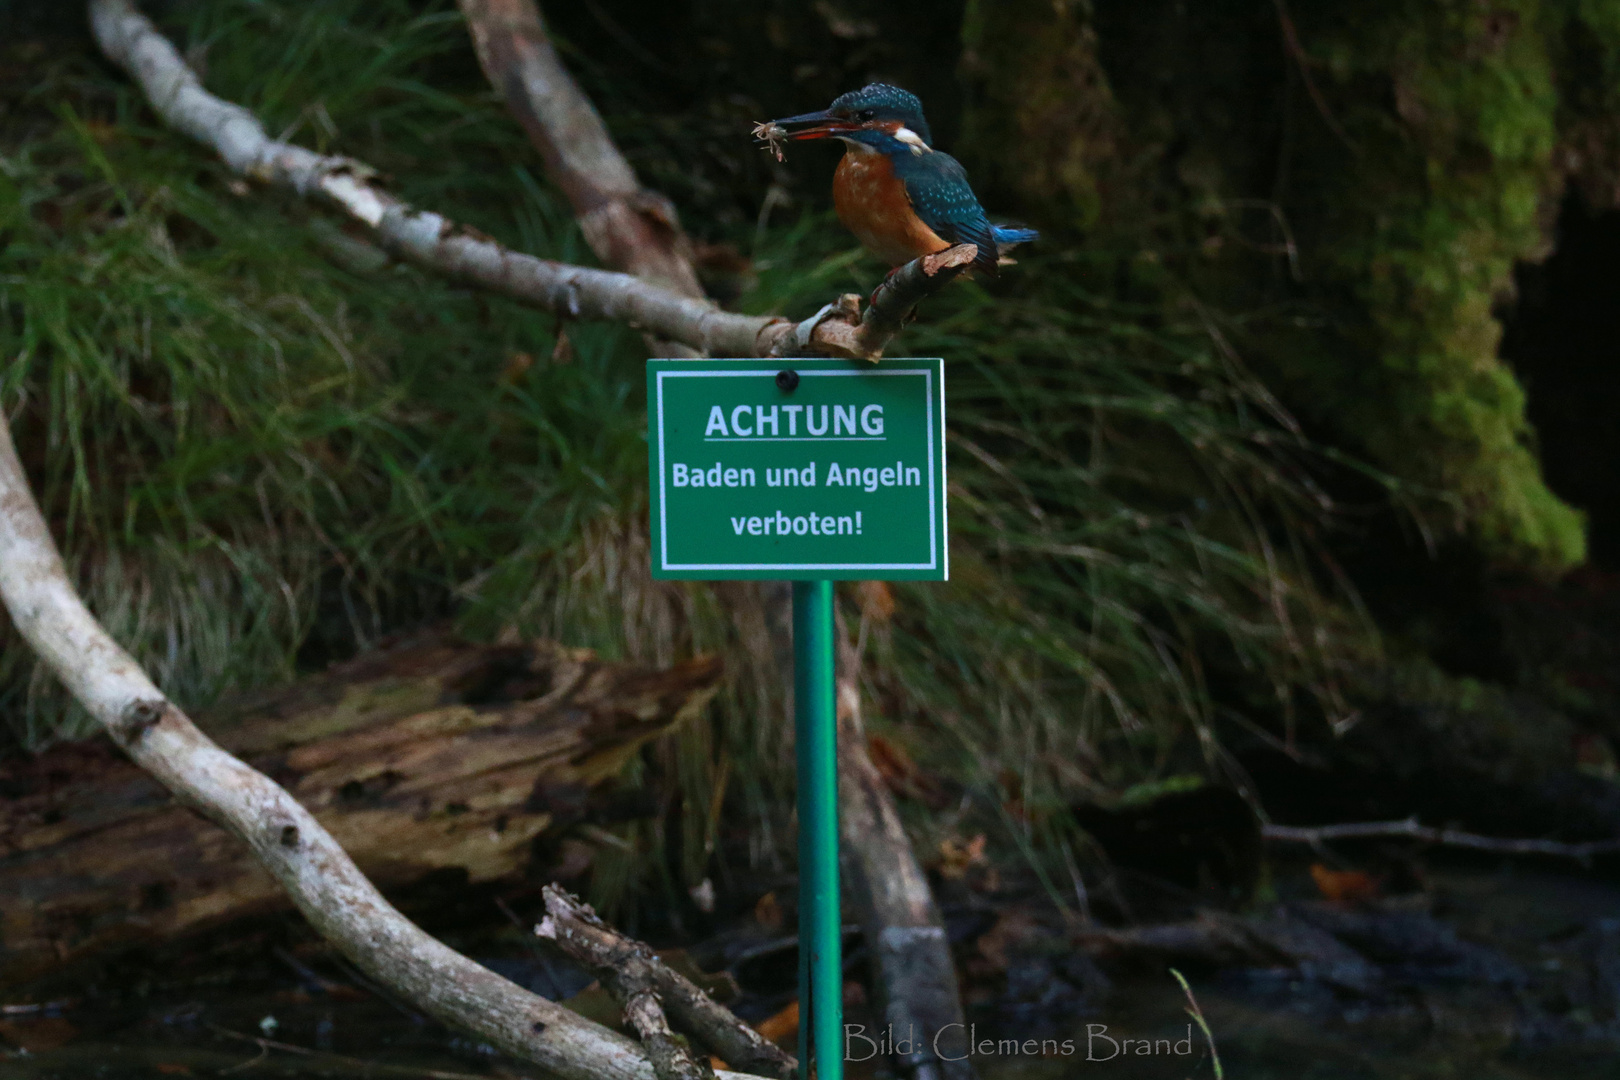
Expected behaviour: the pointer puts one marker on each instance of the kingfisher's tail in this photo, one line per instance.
(1006, 236)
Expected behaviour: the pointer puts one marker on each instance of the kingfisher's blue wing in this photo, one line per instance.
(940, 193)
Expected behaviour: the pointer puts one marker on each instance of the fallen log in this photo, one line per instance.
(432, 756)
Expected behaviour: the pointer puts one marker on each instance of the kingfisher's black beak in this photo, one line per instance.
(814, 125)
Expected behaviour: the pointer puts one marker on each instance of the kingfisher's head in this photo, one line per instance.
(877, 116)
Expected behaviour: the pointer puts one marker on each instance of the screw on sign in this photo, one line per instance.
(813, 471)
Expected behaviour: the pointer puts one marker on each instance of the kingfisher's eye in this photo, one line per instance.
(865, 114)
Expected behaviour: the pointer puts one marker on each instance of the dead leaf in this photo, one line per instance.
(595, 1003)
(1013, 929)
(957, 857)
(719, 985)
(517, 365)
(563, 351)
(1345, 886)
(876, 601)
(37, 1034)
(784, 1025)
(898, 770)
(768, 912)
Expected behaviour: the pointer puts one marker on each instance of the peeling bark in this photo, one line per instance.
(632, 973)
(1410, 828)
(630, 228)
(434, 242)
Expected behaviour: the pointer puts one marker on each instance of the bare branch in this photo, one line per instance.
(438, 244)
(630, 971)
(630, 228)
(903, 290)
(1318, 835)
(285, 837)
(670, 1057)
(1224, 940)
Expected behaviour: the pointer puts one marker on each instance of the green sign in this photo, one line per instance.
(797, 469)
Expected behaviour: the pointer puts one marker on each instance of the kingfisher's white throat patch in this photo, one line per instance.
(913, 140)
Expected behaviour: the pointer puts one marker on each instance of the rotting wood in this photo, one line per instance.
(434, 242)
(632, 972)
(285, 838)
(431, 756)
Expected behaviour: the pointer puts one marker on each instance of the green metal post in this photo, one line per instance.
(821, 983)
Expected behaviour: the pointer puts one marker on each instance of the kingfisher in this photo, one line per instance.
(900, 197)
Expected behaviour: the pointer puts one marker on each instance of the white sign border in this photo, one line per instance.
(937, 559)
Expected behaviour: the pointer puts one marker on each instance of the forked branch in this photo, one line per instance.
(632, 973)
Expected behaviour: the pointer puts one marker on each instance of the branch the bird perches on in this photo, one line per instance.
(436, 243)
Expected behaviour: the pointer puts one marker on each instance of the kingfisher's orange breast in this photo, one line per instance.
(872, 203)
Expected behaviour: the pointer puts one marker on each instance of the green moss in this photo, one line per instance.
(1472, 137)
(1363, 203)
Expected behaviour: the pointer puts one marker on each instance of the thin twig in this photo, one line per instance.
(33, 1008)
(646, 987)
(1320, 834)
(1296, 52)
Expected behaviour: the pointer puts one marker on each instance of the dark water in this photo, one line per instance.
(1561, 1022)
(1555, 1018)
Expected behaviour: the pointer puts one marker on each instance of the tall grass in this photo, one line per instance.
(262, 446)
(246, 449)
